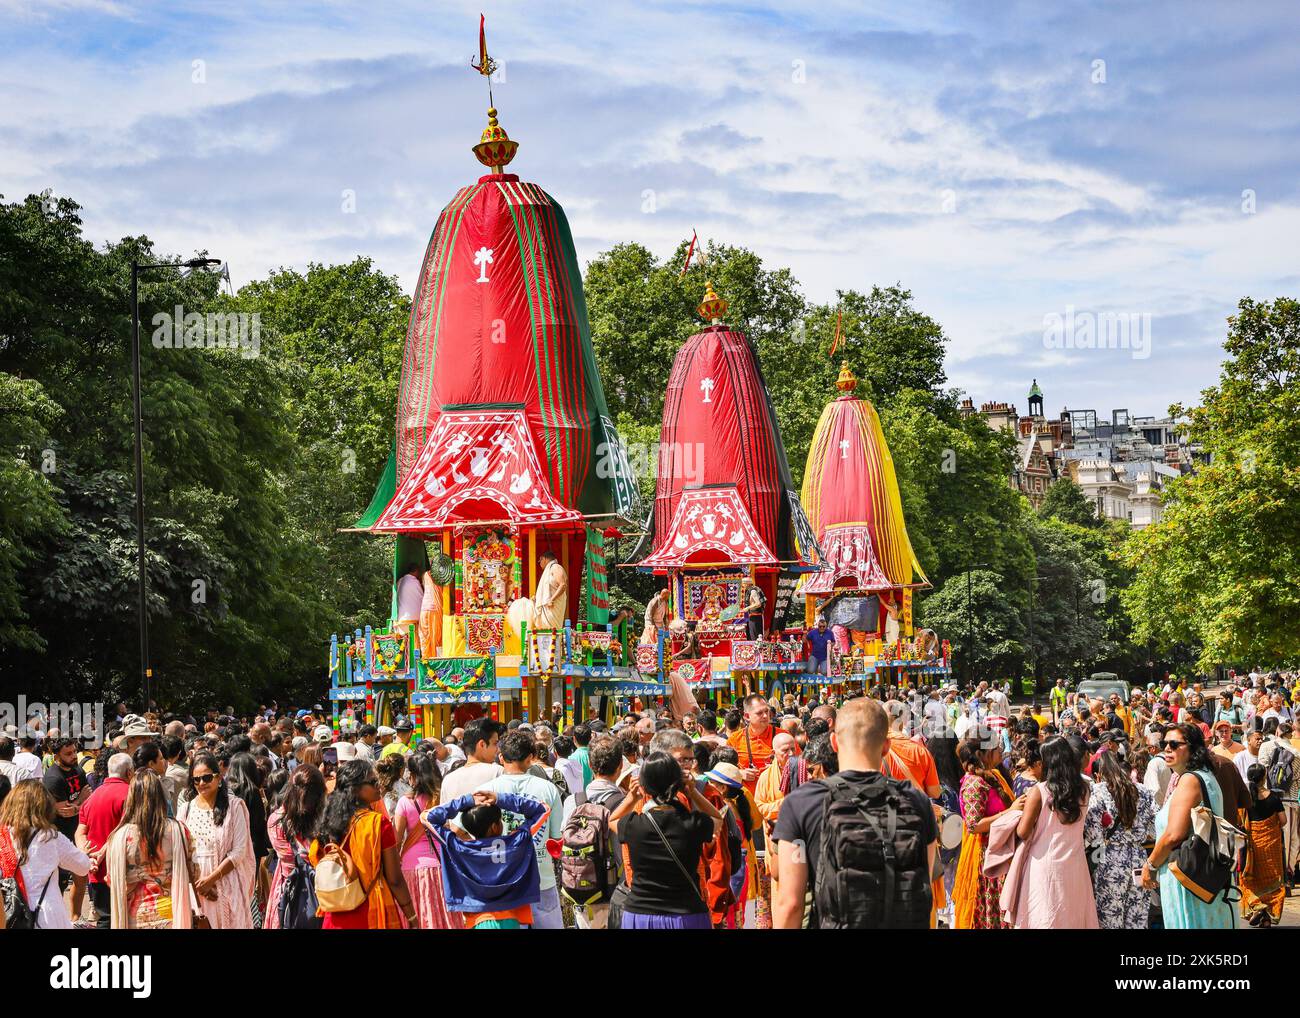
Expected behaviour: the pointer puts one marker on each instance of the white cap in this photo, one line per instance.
(323, 733)
(386, 730)
(346, 751)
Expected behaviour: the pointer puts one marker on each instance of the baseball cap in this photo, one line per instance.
(386, 730)
(323, 733)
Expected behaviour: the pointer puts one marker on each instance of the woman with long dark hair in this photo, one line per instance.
(1121, 821)
(1263, 883)
(421, 863)
(1048, 886)
(944, 750)
(244, 779)
(1027, 757)
(275, 788)
(1184, 751)
(149, 862)
(352, 822)
(664, 841)
(290, 830)
(985, 792)
(223, 847)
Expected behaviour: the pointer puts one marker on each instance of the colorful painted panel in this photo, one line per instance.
(484, 634)
(490, 570)
(454, 677)
(711, 525)
(389, 653)
(710, 600)
(693, 671)
(473, 456)
(647, 658)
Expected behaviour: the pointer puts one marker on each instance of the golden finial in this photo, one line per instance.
(495, 149)
(713, 307)
(847, 381)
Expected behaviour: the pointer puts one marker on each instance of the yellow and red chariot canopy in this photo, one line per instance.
(850, 492)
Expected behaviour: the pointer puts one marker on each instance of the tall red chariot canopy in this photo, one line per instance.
(499, 337)
(722, 463)
(850, 492)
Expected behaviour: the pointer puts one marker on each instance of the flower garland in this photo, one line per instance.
(384, 663)
(449, 685)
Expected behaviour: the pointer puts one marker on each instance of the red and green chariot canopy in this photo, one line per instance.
(499, 338)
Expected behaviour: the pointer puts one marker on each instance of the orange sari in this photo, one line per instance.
(1263, 878)
(967, 891)
(364, 843)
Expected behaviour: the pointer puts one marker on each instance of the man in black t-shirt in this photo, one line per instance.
(66, 781)
(861, 732)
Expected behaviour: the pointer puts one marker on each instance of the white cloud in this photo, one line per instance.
(842, 176)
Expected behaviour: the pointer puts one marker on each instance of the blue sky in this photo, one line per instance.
(967, 151)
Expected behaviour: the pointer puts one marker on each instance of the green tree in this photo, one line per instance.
(1221, 570)
(225, 616)
(339, 332)
(1069, 592)
(984, 625)
(1066, 501)
(28, 503)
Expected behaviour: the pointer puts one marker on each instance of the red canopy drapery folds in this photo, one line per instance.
(499, 322)
(720, 435)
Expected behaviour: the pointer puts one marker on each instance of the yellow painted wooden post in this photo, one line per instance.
(532, 562)
(447, 587)
(532, 572)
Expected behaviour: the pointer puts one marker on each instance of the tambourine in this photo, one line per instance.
(951, 829)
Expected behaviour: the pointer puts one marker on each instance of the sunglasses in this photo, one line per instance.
(204, 779)
(1172, 744)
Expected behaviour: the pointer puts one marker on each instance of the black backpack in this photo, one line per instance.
(298, 895)
(872, 870)
(1281, 769)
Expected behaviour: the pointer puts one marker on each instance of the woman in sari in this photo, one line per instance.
(149, 862)
(1263, 886)
(352, 822)
(421, 862)
(223, 847)
(984, 794)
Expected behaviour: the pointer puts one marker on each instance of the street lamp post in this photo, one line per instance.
(146, 673)
(970, 664)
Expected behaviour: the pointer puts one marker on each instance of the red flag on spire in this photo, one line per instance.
(689, 251)
(485, 66)
(835, 343)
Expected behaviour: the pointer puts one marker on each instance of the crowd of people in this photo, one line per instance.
(891, 808)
